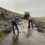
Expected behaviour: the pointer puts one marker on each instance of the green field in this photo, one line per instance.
(2, 35)
(39, 19)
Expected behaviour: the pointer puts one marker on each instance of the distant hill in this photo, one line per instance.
(40, 19)
(10, 13)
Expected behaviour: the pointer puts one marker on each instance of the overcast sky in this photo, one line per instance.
(35, 7)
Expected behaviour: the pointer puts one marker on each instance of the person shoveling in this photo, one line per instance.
(14, 22)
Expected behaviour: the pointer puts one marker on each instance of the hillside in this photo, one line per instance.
(10, 13)
(42, 19)
(5, 23)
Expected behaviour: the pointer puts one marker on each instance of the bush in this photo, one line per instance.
(26, 15)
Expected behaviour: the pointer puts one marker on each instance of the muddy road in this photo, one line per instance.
(24, 37)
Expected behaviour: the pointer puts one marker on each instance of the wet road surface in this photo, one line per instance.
(24, 37)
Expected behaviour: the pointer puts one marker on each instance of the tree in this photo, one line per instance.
(26, 15)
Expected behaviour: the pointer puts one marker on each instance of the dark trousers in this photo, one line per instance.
(30, 21)
(15, 25)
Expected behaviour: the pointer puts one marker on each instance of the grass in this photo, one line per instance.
(43, 31)
(2, 35)
(40, 19)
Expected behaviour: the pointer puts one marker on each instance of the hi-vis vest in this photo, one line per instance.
(29, 18)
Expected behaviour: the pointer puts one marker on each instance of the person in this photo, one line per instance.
(30, 20)
(14, 24)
